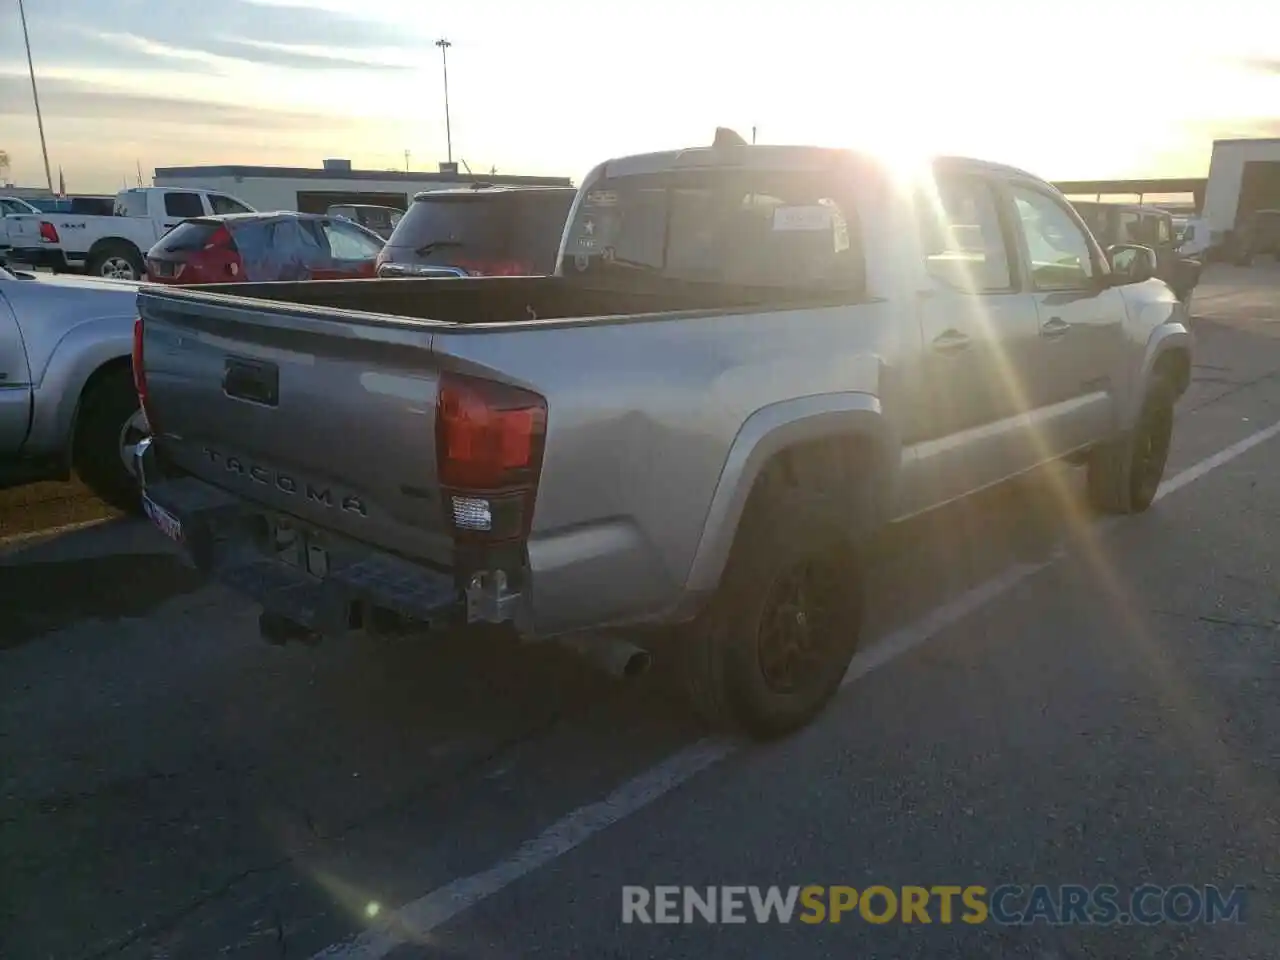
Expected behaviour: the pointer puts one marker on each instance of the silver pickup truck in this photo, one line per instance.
(751, 358)
(67, 396)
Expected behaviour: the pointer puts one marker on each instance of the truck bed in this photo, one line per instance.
(510, 299)
(317, 406)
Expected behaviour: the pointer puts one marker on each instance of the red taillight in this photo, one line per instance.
(140, 374)
(48, 232)
(496, 268)
(489, 440)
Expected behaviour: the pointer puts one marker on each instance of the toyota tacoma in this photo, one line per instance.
(749, 360)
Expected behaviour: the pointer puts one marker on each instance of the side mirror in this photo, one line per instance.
(1131, 263)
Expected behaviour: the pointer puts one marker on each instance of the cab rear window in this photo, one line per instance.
(746, 229)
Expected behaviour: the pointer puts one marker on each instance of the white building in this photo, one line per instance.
(312, 190)
(1244, 176)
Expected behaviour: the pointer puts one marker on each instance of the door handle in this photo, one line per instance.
(1054, 327)
(951, 342)
(252, 380)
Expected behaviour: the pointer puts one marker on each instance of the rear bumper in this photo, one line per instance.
(232, 541)
(54, 258)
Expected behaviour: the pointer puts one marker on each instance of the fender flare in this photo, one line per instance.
(79, 355)
(1168, 336)
(766, 432)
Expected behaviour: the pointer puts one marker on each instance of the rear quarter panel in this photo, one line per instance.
(642, 416)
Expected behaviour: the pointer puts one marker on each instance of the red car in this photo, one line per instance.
(263, 247)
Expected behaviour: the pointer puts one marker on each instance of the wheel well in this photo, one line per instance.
(113, 367)
(1176, 366)
(109, 243)
(846, 470)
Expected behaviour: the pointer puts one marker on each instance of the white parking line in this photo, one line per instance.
(414, 921)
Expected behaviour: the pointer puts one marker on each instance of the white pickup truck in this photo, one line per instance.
(112, 246)
(11, 208)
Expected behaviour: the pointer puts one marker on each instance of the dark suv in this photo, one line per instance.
(1113, 223)
(477, 232)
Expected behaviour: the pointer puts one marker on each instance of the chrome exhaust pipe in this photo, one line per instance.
(617, 657)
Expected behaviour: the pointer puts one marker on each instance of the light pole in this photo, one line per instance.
(35, 95)
(444, 46)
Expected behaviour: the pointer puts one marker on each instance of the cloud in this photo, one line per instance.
(302, 56)
(81, 101)
(69, 31)
(225, 55)
(154, 48)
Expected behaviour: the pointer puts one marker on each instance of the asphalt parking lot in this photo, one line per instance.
(1044, 699)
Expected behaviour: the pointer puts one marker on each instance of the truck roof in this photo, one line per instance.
(776, 157)
(482, 189)
(167, 190)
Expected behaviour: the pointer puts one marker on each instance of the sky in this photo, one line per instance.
(1089, 89)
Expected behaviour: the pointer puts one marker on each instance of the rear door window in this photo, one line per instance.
(964, 243)
(347, 242)
(220, 204)
(183, 205)
(284, 248)
(376, 219)
(133, 203)
(769, 229)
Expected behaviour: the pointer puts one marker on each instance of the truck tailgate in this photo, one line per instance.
(324, 415)
(24, 229)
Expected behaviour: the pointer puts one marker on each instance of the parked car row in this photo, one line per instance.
(745, 362)
(112, 246)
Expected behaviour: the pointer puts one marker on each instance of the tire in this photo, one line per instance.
(730, 658)
(1125, 473)
(110, 419)
(116, 260)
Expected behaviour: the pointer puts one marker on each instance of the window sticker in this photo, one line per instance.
(813, 218)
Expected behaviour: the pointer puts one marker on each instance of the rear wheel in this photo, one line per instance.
(1125, 474)
(110, 427)
(116, 261)
(772, 648)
